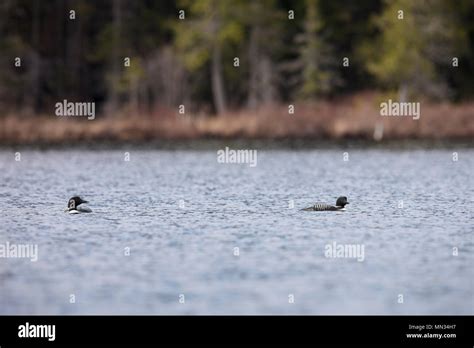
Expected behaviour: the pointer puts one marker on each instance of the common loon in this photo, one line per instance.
(74, 206)
(340, 203)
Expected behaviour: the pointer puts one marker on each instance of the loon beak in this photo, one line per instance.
(85, 201)
(347, 202)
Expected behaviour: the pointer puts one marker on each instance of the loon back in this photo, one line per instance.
(322, 207)
(340, 204)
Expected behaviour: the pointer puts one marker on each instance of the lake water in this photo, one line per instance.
(182, 215)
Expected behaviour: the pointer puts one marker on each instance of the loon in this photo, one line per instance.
(340, 203)
(74, 206)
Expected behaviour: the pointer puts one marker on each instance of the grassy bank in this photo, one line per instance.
(355, 117)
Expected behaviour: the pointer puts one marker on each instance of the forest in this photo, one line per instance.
(234, 68)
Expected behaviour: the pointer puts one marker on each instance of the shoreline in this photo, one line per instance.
(260, 144)
(353, 118)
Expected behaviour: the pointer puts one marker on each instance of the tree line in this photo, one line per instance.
(216, 55)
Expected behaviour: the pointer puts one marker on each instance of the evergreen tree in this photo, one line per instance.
(317, 62)
(264, 21)
(209, 29)
(415, 36)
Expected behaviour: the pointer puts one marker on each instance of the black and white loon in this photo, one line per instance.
(75, 206)
(340, 203)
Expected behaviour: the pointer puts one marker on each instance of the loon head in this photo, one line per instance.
(342, 201)
(74, 202)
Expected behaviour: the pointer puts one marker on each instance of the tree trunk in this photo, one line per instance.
(61, 19)
(73, 59)
(261, 87)
(35, 61)
(403, 92)
(117, 20)
(267, 81)
(218, 91)
(252, 99)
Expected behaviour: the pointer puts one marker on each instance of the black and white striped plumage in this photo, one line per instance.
(340, 204)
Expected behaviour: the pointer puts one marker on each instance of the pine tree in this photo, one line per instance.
(263, 19)
(415, 36)
(208, 30)
(317, 63)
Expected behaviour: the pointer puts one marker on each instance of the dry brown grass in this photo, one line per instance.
(349, 117)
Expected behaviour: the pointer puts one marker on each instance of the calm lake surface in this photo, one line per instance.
(182, 215)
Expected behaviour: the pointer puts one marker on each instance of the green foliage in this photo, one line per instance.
(316, 57)
(191, 60)
(414, 37)
(207, 23)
